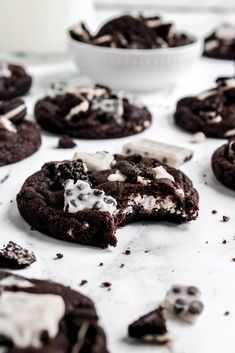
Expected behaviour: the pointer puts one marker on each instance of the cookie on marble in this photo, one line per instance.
(43, 316)
(220, 44)
(184, 302)
(92, 113)
(13, 256)
(223, 164)
(84, 200)
(128, 32)
(211, 112)
(14, 81)
(150, 328)
(19, 138)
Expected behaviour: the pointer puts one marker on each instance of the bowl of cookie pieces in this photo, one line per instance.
(134, 53)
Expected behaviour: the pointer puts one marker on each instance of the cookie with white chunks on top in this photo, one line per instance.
(45, 317)
(19, 137)
(211, 112)
(13, 256)
(84, 200)
(92, 113)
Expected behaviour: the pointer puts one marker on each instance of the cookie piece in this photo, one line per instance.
(15, 257)
(172, 155)
(150, 328)
(78, 201)
(19, 138)
(220, 44)
(66, 142)
(91, 113)
(211, 112)
(223, 164)
(42, 316)
(14, 81)
(130, 32)
(184, 302)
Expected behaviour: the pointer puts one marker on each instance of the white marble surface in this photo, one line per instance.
(191, 253)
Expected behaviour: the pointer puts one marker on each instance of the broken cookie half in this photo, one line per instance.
(85, 199)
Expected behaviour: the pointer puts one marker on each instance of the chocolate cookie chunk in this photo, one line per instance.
(130, 32)
(150, 328)
(19, 138)
(91, 113)
(221, 43)
(223, 164)
(211, 112)
(15, 257)
(42, 316)
(84, 201)
(14, 81)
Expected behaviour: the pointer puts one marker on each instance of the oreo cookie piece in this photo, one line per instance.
(223, 164)
(150, 328)
(130, 32)
(43, 316)
(91, 113)
(66, 142)
(84, 201)
(211, 112)
(220, 44)
(19, 138)
(14, 81)
(15, 257)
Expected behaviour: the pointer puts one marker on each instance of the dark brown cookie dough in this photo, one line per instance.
(211, 112)
(223, 164)
(19, 138)
(14, 81)
(130, 32)
(13, 256)
(26, 304)
(86, 199)
(220, 44)
(91, 113)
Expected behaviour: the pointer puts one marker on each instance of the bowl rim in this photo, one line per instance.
(134, 52)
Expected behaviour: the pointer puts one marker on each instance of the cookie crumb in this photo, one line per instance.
(106, 285)
(83, 282)
(101, 264)
(122, 265)
(66, 141)
(59, 256)
(225, 219)
(126, 252)
(213, 211)
(233, 259)
(226, 313)
(224, 241)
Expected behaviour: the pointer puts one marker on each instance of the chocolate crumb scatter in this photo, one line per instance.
(106, 285)
(83, 282)
(59, 256)
(127, 252)
(224, 241)
(213, 211)
(225, 219)
(122, 265)
(66, 142)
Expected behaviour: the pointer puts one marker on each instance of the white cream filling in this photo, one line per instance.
(211, 44)
(8, 125)
(83, 107)
(226, 33)
(161, 173)
(117, 176)
(5, 118)
(150, 203)
(96, 161)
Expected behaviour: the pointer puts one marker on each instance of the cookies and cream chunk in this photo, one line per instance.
(184, 302)
(80, 196)
(4, 70)
(25, 316)
(96, 161)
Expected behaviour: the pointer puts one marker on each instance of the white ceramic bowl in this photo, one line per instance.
(134, 69)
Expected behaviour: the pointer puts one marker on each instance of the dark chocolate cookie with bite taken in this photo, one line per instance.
(223, 164)
(211, 112)
(92, 113)
(14, 81)
(46, 317)
(84, 200)
(19, 138)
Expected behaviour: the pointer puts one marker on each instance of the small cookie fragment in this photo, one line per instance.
(13, 256)
(184, 302)
(172, 155)
(199, 137)
(150, 328)
(66, 142)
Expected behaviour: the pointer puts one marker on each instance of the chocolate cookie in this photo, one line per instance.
(91, 113)
(223, 164)
(211, 112)
(84, 200)
(130, 32)
(19, 138)
(221, 43)
(46, 317)
(14, 81)
(13, 256)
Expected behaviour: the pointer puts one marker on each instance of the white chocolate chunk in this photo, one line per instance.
(226, 32)
(207, 94)
(81, 32)
(12, 113)
(161, 173)
(184, 302)
(229, 133)
(15, 281)
(153, 23)
(83, 107)
(79, 196)
(169, 154)
(113, 106)
(199, 137)
(4, 70)
(96, 161)
(24, 316)
(7, 125)
(103, 39)
(211, 44)
(117, 176)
